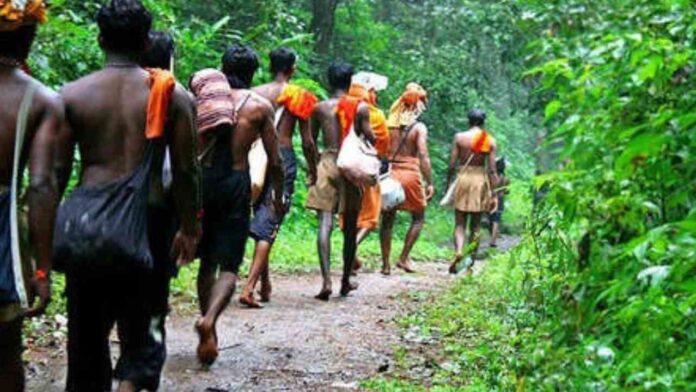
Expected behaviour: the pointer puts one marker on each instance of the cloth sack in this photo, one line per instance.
(393, 193)
(357, 160)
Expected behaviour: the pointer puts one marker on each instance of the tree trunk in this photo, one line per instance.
(323, 20)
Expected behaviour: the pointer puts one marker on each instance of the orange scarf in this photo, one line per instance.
(13, 17)
(298, 101)
(481, 142)
(162, 85)
(347, 108)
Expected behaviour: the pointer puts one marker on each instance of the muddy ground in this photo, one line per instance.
(296, 343)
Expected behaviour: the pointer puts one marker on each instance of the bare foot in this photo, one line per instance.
(126, 386)
(406, 266)
(454, 268)
(493, 245)
(386, 270)
(324, 294)
(207, 347)
(347, 287)
(265, 291)
(249, 301)
(357, 264)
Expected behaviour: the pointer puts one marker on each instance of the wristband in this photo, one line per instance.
(40, 275)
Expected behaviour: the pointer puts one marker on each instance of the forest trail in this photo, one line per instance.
(295, 343)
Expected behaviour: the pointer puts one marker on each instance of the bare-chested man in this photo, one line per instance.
(227, 188)
(293, 105)
(44, 117)
(410, 166)
(120, 137)
(326, 196)
(473, 190)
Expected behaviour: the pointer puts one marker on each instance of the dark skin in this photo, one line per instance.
(461, 151)
(255, 120)
(325, 122)
(106, 121)
(285, 130)
(415, 145)
(45, 119)
(353, 203)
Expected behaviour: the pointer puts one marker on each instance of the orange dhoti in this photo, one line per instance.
(407, 171)
(371, 208)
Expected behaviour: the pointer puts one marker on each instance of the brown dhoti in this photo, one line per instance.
(407, 171)
(472, 191)
(325, 194)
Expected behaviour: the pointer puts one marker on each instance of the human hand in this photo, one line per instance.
(39, 288)
(493, 205)
(311, 180)
(184, 248)
(429, 192)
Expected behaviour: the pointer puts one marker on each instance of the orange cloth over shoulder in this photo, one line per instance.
(298, 101)
(162, 84)
(347, 107)
(481, 142)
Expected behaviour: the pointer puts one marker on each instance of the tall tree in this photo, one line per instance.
(323, 21)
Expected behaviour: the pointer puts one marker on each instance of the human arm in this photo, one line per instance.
(309, 148)
(43, 199)
(362, 124)
(493, 178)
(424, 157)
(270, 145)
(454, 157)
(185, 175)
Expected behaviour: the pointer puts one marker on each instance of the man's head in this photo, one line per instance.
(283, 61)
(18, 22)
(477, 118)
(16, 44)
(239, 64)
(161, 51)
(340, 75)
(124, 26)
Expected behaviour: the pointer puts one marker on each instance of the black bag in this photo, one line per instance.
(105, 228)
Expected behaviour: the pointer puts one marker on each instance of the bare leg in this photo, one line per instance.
(495, 231)
(459, 239)
(261, 252)
(220, 297)
(266, 289)
(475, 233)
(126, 386)
(324, 248)
(417, 222)
(385, 236)
(362, 235)
(350, 232)
(205, 282)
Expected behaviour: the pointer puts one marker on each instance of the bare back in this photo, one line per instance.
(13, 85)
(410, 146)
(255, 119)
(463, 142)
(286, 125)
(107, 114)
(324, 118)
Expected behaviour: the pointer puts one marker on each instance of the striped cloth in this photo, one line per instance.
(213, 100)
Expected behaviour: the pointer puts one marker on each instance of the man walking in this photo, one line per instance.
(228, 134)
(410, 167)
(30, 117)
(121, 118)
(293, 105)
(473, 190)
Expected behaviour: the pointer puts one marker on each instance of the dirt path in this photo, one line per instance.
(295, 343)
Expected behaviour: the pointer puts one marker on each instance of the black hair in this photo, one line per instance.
(500, 165)
(340, 75)
(16, 44)
(239, 64)
(477, 118)
(161, 50)
(282, 60)
(124, 25)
